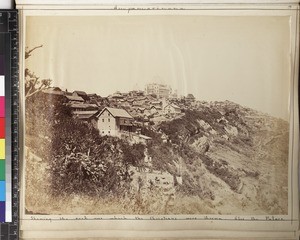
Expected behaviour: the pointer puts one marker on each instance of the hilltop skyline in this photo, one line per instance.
(215, 59)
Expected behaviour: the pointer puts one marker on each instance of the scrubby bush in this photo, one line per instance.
(162, 157)
(223, 172)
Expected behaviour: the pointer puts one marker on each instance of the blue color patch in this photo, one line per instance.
(2, 191)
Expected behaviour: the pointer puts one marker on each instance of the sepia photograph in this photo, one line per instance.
(157, 115)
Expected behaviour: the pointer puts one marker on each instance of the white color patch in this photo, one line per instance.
(2, 86)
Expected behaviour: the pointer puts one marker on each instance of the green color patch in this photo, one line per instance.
(2, 170)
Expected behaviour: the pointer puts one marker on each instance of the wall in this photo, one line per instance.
(107, 124)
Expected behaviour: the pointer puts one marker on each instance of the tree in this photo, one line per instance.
(28, 52)
(33, 84)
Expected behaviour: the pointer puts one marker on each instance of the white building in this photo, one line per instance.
(112, 121)
(160, 90)
(172, 109)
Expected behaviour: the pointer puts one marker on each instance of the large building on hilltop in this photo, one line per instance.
(160, 90)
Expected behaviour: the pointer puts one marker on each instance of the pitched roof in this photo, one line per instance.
(156, 107)
(68, 93)
(173, 105)
(93, 95)
(84, 115)
(80, 93)
(85, 112)
(156, 102)
(116, 112)
(83, 105)
(74, 98)
(117, 95)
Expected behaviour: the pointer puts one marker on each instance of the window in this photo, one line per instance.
(108, 132)
(102, 119)
(109, 120)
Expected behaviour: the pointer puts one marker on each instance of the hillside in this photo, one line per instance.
(233, 155)
(218, 158)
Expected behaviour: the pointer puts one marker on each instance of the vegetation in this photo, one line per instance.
(33, 83)
(211, 161)
(80, 160)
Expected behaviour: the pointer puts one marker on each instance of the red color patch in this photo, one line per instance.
(2, 106)
(2, 127)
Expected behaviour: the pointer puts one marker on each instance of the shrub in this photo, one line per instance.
(81, 161)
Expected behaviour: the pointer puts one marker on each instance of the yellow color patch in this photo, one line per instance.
(2, 148)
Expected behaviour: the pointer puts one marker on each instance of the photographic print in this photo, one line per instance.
(162, 114)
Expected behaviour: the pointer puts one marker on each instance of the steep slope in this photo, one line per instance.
(219, 158)
(236, 156)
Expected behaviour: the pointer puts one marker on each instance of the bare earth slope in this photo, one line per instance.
(243, 155)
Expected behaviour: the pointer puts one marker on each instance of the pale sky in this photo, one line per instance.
(241, 59)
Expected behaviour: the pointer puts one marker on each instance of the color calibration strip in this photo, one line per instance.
(9, 125)
(2, 138)
(5, 120)
(2, 148)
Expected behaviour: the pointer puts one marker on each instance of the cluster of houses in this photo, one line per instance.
(124, 113)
